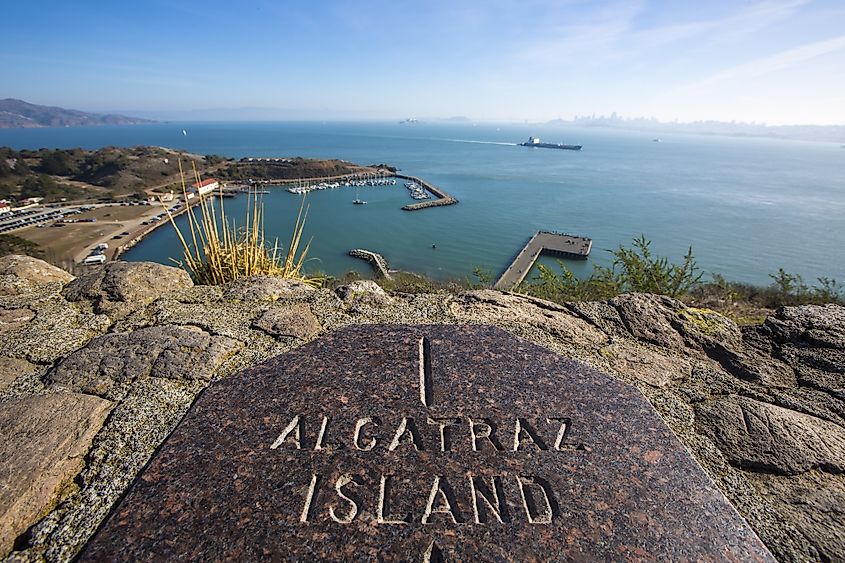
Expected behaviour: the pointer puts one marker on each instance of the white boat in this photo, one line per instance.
(358, 200)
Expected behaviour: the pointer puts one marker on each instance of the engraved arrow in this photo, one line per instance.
(425, 371)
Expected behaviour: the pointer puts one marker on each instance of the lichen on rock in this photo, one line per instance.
(109, 364)
(120, 287)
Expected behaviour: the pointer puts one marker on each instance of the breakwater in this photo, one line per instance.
(443, 198)
(375, 259)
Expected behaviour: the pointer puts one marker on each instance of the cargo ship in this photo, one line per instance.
(535, 142)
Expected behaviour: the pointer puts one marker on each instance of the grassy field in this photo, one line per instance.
(68, 241)
(119, 212)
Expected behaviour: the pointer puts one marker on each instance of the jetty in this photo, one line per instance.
(443, 198)
(543, 242)
(375, 259)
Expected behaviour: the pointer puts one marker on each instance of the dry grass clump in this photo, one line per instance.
(219, 251)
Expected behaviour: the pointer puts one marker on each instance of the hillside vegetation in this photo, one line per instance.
(78, 174)
(288, 169)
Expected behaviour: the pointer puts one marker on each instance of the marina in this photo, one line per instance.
(443, 198)
(544, 242)
(303, 186)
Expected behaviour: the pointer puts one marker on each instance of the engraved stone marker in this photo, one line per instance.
(426, 443)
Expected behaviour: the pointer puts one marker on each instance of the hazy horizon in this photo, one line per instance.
(777, 62)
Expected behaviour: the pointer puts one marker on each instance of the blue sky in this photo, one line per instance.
(774, 61)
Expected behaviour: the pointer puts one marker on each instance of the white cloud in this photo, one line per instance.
(612, 32)
(768, 65)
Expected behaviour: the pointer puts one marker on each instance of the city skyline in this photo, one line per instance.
(774, 61)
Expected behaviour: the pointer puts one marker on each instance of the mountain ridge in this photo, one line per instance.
(18, 114)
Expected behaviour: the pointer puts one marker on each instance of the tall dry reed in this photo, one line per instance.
(216, 251)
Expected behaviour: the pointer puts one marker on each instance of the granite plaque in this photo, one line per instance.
(423, 443)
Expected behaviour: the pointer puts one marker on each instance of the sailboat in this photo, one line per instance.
(358, 200)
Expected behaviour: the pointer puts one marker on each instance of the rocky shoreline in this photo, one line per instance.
(96, 371)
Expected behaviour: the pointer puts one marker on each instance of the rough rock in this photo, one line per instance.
(295, 321)
(12, 319)
(646, 365)
(816, 325)
(110, 363)
(136, 426)
(705, 328)
(44, 440)
(56, 329)
(751, 366)
(605, 317)
(809, 339)
(763, 437)
(521, 313)
(32, 269)
(649, 318)
(814, 503)
(11, 368)
(821, 368)
(264, 288)
(120, 287)
(363, 292)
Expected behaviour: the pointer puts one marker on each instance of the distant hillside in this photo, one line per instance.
(17, 114)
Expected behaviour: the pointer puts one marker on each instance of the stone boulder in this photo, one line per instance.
(13, 319)
(519, 311)
(749, 365)
(32, 269)
(764, 437)
(821, 326)
(363, 292)
(11, 369)
(107, 365)
(643, 364)
(814, 503)
(811, 340)
(296, 321)
(264, 288)
(120, 287)
(650, 318)
(47, 329)
(45, 439)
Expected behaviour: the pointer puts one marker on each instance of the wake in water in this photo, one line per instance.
(476, 142)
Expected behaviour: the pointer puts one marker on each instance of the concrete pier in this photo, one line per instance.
(443, 198)
(544, 242)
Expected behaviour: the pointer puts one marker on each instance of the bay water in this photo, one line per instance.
(746, 206)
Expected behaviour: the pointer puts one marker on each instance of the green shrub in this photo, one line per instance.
(634, 268)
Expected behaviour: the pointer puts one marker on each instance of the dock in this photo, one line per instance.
(543, 242)
(443, 198)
